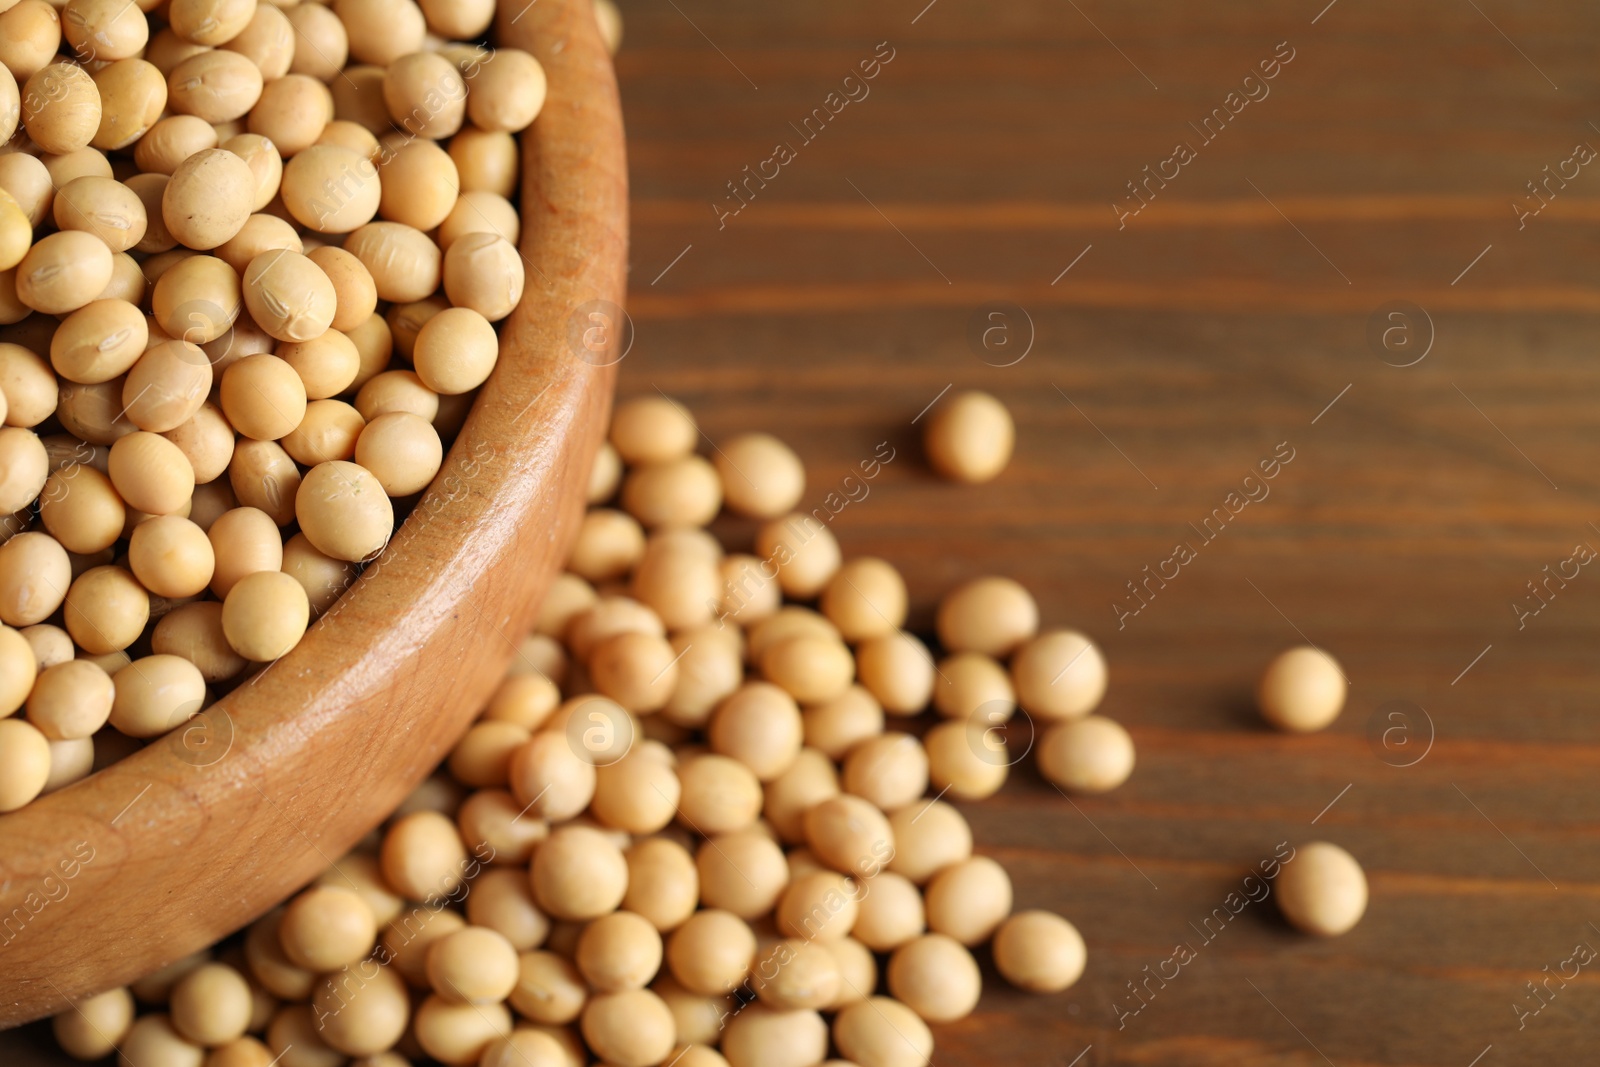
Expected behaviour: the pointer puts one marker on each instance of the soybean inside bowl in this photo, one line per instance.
(191, 836)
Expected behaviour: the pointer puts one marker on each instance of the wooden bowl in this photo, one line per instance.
(197, 834)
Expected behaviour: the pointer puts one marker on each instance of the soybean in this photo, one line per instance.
(1302, 690)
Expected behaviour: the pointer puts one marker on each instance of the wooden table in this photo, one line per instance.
(1171, 352)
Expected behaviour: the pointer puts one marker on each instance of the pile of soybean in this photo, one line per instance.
(701, 822)
(252, 259)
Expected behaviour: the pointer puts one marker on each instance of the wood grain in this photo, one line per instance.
(1190, 343)
(835, 306)
(197, 834)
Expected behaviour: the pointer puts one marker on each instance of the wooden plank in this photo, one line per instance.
(1190, 343)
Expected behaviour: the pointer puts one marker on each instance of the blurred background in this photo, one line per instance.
(1382, 254)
